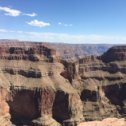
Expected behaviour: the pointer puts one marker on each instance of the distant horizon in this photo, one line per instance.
(69, 21)
(70, 43)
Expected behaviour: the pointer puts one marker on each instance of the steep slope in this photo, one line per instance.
(101, 82)
(39, 89)
(36, 93)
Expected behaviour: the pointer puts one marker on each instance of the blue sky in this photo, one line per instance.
(69, 21)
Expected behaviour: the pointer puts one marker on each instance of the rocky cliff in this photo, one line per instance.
(38, 89)
(101, 83)
(75, 51)
(72, 51)
(32, 91)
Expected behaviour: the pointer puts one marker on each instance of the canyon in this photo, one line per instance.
(38, 88)
(71, 51)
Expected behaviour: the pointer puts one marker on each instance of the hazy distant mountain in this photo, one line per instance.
(67, 51)
(72, 51)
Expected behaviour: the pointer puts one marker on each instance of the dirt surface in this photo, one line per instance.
(106, 122)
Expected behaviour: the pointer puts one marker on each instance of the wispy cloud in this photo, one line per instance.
(14, 12)
(3, 30)
(63, 37)
(10, 12)
(30, 15)
(38, 23)
(69, 38)
(66, 25)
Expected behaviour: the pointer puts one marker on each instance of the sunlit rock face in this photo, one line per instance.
(106, 122)
(39, 89)
(32, 90)
(101, 83)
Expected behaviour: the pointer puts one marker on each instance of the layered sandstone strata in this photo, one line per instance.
(37, 89)
(101, 83)
(36, 93)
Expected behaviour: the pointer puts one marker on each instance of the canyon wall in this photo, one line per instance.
(32, 91)
(101, 83)
(39, 89)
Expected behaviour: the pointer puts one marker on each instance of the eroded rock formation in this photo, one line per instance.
(101, 82)
(32, 90)
(37, 89)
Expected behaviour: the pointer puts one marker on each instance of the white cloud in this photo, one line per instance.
(38, 23)
(10, 12)
(68, 25)
(65, 25)
(13, 12)
(30, 15)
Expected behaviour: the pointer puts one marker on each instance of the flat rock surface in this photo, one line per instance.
(106, 122)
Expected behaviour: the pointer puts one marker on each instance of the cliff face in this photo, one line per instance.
(37, 89)
(117, 53)
(32, 91)
(72, 51)
(75, 51)
(4, 109)
(101, 82)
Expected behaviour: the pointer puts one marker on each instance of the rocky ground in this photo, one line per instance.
(106, 122)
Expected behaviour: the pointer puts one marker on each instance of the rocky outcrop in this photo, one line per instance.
(33, 92)
(101, 83)
(38, 89)
(116, 53)
(4, 109)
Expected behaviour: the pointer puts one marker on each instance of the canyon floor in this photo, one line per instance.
(106, 122)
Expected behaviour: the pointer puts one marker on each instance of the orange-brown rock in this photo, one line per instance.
(36, 93)
(106, 122)
(37, 89)
(4, 108)
(101, 82)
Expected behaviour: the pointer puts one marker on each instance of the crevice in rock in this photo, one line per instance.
(61, 107)
(88, 95)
